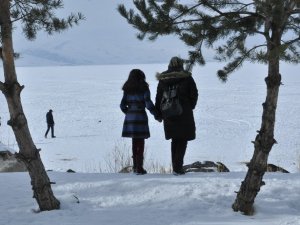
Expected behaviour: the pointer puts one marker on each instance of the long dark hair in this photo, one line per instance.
(175, 65)
(136, 82)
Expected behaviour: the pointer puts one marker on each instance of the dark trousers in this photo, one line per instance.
(50, 126)
(138, 145)
(178, 148)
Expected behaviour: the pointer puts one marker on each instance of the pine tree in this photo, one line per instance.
(227, 26)
(34, 15)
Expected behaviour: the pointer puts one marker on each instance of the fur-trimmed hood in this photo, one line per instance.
(172, 75)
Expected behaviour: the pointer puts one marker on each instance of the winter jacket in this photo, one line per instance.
(136, 119)
(49, 118)
(183, 126)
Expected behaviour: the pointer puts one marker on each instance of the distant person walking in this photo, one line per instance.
(179, 128)
(136, 97)
(50, 123)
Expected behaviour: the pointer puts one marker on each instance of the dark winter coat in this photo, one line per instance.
(49, 118)
(183, 126)
(136, 119)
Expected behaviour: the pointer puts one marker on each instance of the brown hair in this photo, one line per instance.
(136, 82)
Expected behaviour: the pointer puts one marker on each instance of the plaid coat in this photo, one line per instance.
(136, 119)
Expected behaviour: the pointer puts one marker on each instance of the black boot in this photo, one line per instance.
(139, 166)
(138, 156)
(178, 148)
(134, 153)
(134, 163)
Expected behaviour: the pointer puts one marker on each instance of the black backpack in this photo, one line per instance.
(170, 105)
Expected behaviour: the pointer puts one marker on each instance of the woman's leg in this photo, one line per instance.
(134, 154)
(178, 149)
(140, 145)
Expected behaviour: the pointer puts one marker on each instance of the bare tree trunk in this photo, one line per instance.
(264, 141)
(262, 146)
(28, 153)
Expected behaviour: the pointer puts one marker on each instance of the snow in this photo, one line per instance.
(85, 100)
(115, 199)
(227, 116)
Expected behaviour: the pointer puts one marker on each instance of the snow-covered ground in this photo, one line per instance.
(153, 199)
(85, 100)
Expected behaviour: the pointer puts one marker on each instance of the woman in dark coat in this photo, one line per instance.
(180, 129)
(136, 97)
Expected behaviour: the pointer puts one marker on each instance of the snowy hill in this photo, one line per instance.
(103, 38)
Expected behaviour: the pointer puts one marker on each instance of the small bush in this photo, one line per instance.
(121, 157)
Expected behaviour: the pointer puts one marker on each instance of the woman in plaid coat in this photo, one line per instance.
(136, 98)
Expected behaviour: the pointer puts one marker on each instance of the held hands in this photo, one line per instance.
(158, 118)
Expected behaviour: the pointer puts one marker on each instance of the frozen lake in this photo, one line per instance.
(85, 101)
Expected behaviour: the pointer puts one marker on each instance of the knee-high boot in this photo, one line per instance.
(134, 155)
(140, 157)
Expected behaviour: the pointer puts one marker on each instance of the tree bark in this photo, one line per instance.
(264, 140)
(11, 88)
(262, 146)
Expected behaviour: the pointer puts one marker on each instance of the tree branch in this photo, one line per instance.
(182, 14)
(295, 11)
(239, 62)
(292, 41)
(255, 47)
(228, 14)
